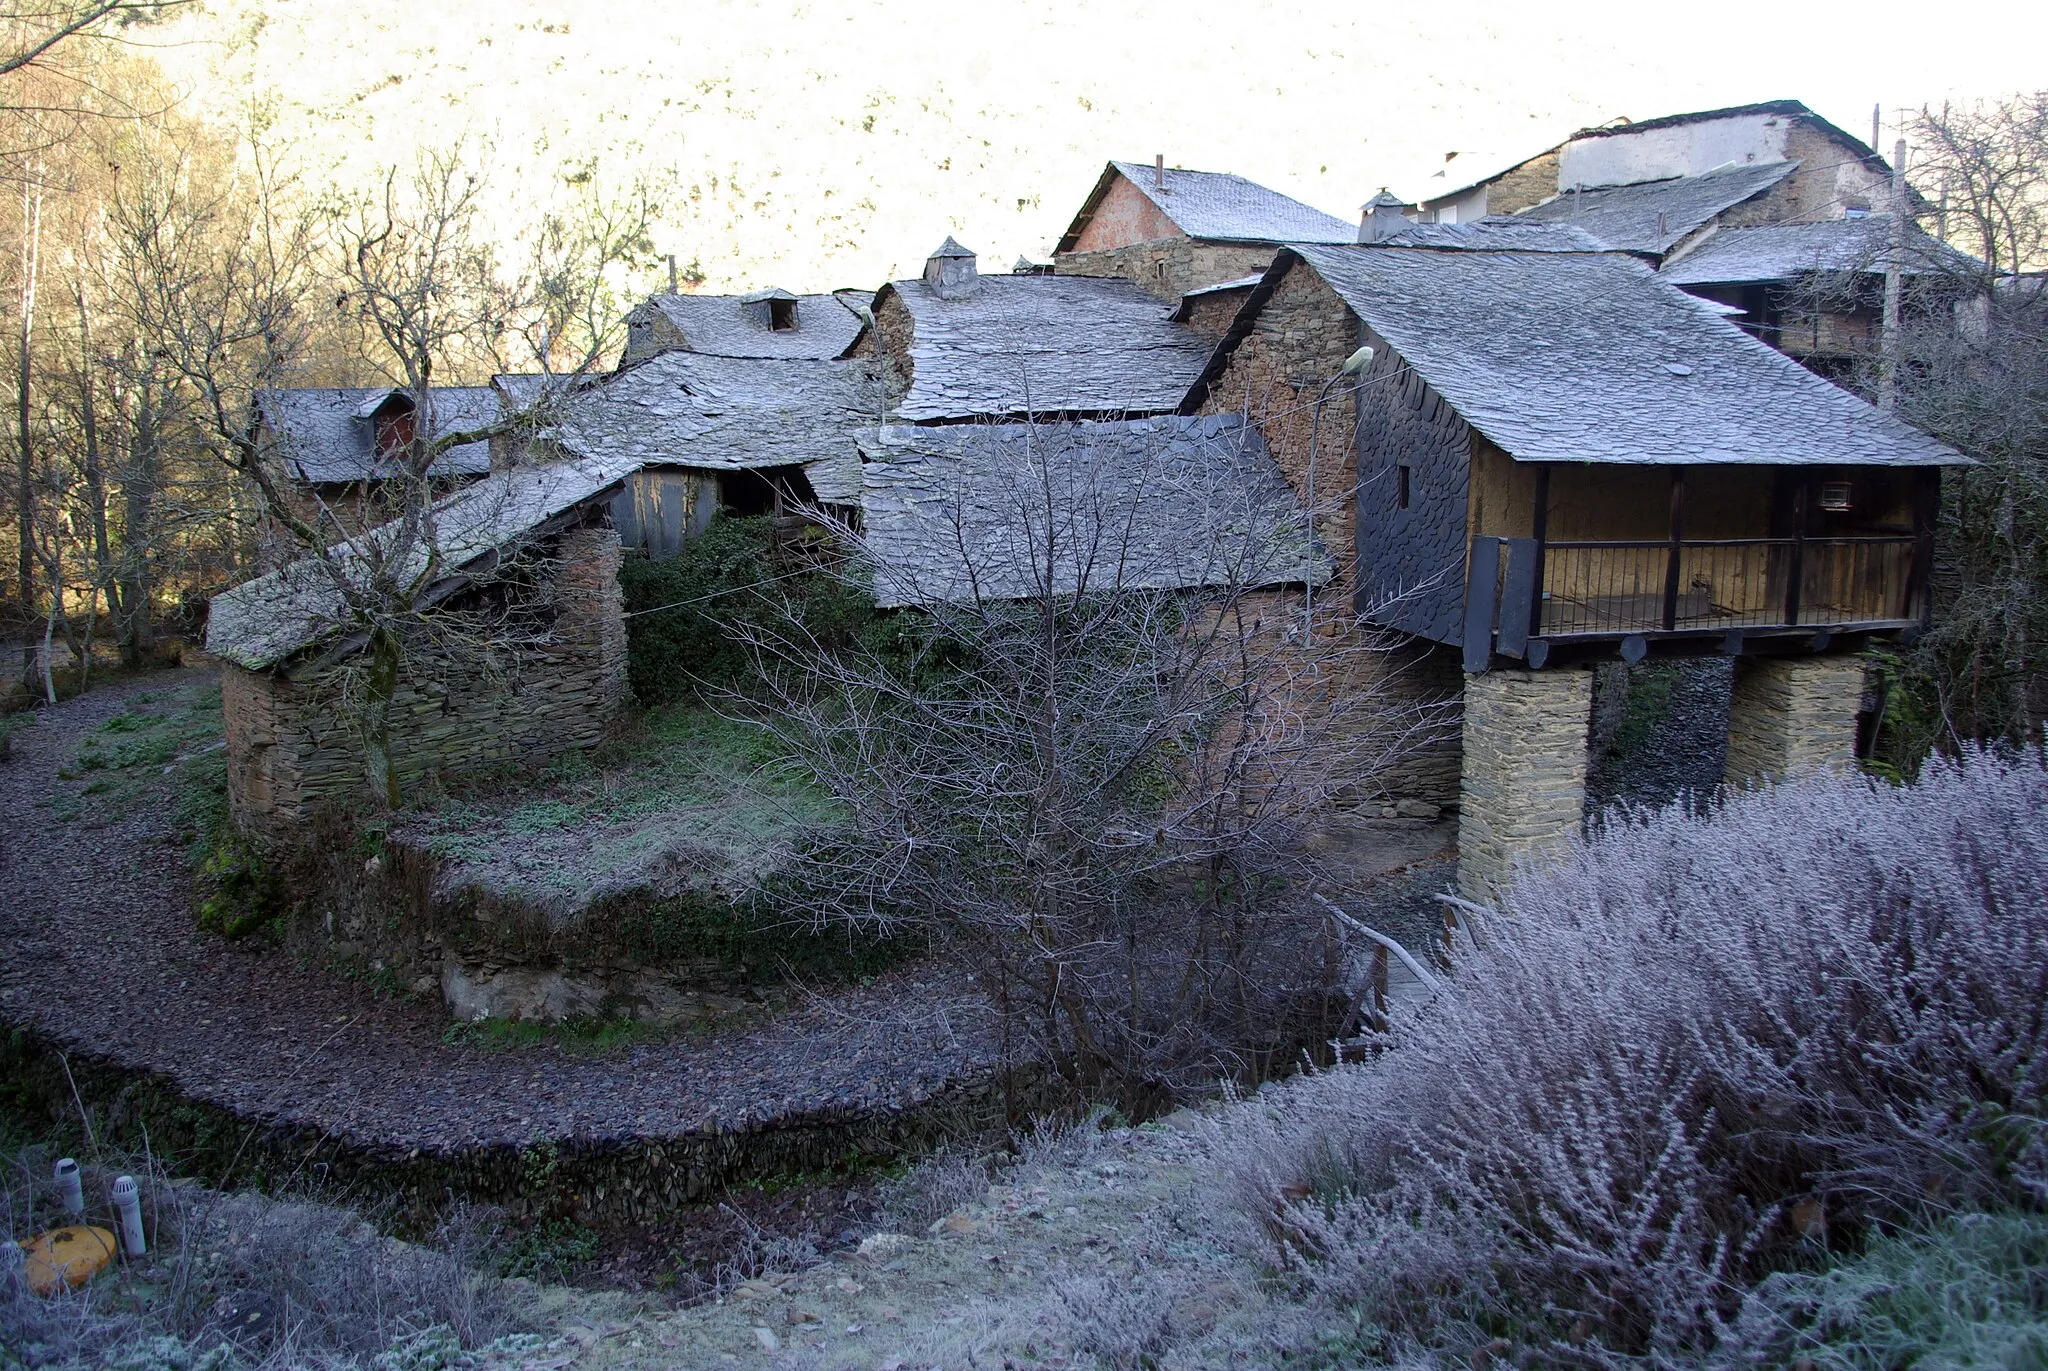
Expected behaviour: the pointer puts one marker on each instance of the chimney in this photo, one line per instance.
(1159, 171)
(1381, 217)
(950, 271)
(671, 273)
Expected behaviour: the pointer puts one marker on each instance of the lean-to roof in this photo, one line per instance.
(1735, 256)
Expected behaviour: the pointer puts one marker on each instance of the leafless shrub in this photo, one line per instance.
(934, 1187)
(1124, 1323)
(1087, 763)
(1692, 1051)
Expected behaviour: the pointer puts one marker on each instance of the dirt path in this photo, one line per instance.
(98, 950)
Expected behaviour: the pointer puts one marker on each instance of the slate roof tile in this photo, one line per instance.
(725, 326)
(1734, 256)
(962, 512)
(325, 433)
(1653, 216)
(1220, 207)
(1018, 345)
(1584, 357)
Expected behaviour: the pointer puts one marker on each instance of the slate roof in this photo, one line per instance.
(262, 622)
(1498, 232)
(1733, 256)
(959, 513)
(1017, 345)
(325, 434)
(729, 414)
(1626, 217)
(1589, 357)
(722, 326)
(1217, 206)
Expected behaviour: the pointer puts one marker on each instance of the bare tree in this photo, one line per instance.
(1977, 377)
(34, 31)
(1089, 764)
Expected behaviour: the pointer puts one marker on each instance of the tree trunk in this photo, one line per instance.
(386, 654)
(95, 489)
(139, 498)
(25, 491)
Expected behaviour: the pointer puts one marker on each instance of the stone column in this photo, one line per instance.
(590, 611)
(1523, 786)
(1791, 716)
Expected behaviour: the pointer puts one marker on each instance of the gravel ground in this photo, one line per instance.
(1682, 750)
(99, 951)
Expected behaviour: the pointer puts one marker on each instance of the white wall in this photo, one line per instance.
(1684, 150)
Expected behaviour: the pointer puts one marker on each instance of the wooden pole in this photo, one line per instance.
(1891, 345)
(1671, 565)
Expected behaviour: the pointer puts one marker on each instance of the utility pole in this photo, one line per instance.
(1890, 343)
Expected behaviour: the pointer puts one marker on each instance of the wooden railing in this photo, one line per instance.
(1521, 589)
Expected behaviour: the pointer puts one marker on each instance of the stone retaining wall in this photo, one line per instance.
(606, 1180)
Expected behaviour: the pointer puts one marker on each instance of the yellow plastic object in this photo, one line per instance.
(72, 1256)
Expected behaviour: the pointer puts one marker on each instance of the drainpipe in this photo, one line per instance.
(69, 1189)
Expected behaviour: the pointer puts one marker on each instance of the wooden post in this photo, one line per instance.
(1671, 565)
(1797, 571)
(1539, 526)
(1891, 344)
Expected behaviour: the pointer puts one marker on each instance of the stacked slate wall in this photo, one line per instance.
(1411, 561)
(291, 746)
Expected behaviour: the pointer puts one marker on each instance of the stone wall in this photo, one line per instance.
(896, 330)
(1401, 695)
(1170, 267)
(1524, 186)
(1524, 774)
(290, 747)
(1211, 314)
(1791, 716)
(1275, 378)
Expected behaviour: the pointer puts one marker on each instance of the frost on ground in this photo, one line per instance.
(1110, 1248)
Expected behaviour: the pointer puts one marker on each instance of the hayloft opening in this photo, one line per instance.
(782, 316)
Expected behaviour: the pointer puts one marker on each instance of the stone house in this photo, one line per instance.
(336, 446)
(1554, 458)
(771, 323)
(1767, 208)
(527, 553)
(955, 346)
(638, 460)
(1171, 230)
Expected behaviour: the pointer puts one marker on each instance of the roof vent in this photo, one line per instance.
(950, 270)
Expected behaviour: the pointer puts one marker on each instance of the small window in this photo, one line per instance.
(1159, 270)
(782, 316)
(1401, 486)
(1834, 496)
(1856, 212)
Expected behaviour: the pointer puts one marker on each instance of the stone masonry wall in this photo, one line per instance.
(291, 748)
(1792, 716)
(1170, 267)
(1524, 773)
(1210, 315)
(897, 330)
(1275, 376)
(1301, 340)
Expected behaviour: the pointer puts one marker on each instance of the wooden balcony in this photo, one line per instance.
(1525, 596)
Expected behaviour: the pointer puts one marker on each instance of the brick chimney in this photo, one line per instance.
(950, 271)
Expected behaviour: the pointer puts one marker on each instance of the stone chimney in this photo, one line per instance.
(950, 271)
(1381, 218)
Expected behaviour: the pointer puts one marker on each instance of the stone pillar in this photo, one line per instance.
(1791, 716)
(1523, 786)
(590, 611)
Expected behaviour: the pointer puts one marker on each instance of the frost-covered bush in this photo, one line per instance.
(1692, 1051)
